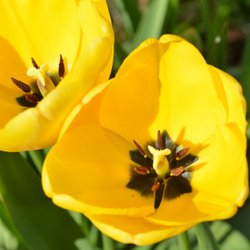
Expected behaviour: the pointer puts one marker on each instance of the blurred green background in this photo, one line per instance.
(221, 31)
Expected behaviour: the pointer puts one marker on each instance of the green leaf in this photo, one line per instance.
(84, 244)
(151, 23)
(126, 19)
(172, 15)
(206, 240)
(150, 247)
(241, 220)
(7, 237)
(245, 74)
(222, 236)
(94, 236)
(132, 9)
(107, 243)
(40, 224)
(215, 16)
(228, 237)
(37, 157)
(168, 244)
(183, 241)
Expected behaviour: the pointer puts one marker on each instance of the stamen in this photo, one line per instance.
(21, 85)
(34, 63)
(155, 186)
(159, 140)
(177, 171)
(44, 83)
(181, 153)
(32, 98)
(61, 68)
(141, 170)
(139, 148)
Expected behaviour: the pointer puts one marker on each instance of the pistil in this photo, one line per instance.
(160, 161)
(43, 81)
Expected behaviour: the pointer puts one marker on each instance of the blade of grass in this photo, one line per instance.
(39, 223)
(107, 243)
(37, 157)
(183, 241)
(206, 240)
(245, 74)
(215, 17)
(126, 19)
(132, 8)
(172, 15)
(151, 23)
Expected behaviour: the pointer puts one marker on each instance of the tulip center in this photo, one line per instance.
(161, 170)
(43, 82)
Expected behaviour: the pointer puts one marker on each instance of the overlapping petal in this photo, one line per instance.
(230, 172)
(148, 98)
(163, 85)
(134, 230)
(81, 32)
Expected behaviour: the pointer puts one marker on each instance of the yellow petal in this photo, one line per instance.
(188, 102)
(199, 207)
(11, 66)
(220, 175)
(131, 101)
(163, 85)
(174, 213)
(13, 109)
(39, 127)
(102, 7)
(230, 91)
(87, 111)
(41, 29)
(96, 180)
(95, 12)
(134, 230)
(91, 62)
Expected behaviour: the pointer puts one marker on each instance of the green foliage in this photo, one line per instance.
(27, 213)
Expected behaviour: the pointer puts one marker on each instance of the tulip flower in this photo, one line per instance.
(161, 148)
(52, 53)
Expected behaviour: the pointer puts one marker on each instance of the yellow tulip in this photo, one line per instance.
(52, 53)
(159, 150)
